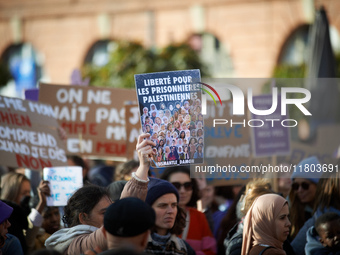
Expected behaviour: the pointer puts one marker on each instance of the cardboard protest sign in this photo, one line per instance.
(133, 130)
(170, 109)
(323, 148)
(64, 181)
(93, 117)
(29, 135)
(32, 94)
(270, 137)
(227, 147)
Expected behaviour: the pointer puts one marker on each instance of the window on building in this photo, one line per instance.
(295, 50)
(213, 54)
(99, 53)
(25, 66)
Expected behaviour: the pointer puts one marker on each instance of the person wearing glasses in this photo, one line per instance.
(327, 199)
(197, 231)
(302, 194)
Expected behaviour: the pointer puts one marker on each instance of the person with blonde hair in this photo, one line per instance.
(255, 189)
(16, 192)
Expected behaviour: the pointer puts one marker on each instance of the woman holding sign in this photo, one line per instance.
(85, 209)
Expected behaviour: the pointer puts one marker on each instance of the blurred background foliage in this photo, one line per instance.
(293, 76)
(293, 71)
(289, 71)
(130, 58)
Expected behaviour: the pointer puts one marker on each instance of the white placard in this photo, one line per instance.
(64, 181)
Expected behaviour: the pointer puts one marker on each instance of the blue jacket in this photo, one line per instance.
(314, 247)
(12, 246)
(300, 240)
(313, 244)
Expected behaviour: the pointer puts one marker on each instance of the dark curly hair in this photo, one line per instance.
(183, 169)
(180, 222)
(83, 201)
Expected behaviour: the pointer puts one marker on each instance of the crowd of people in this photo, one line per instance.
(133, 212)
(177, 129)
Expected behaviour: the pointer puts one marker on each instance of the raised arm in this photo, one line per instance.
(138, 184)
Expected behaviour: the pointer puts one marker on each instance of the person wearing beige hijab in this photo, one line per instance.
(266, 226)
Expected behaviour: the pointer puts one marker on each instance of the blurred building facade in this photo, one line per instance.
(236, 38)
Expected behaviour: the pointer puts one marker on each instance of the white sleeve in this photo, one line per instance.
(36, 218)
